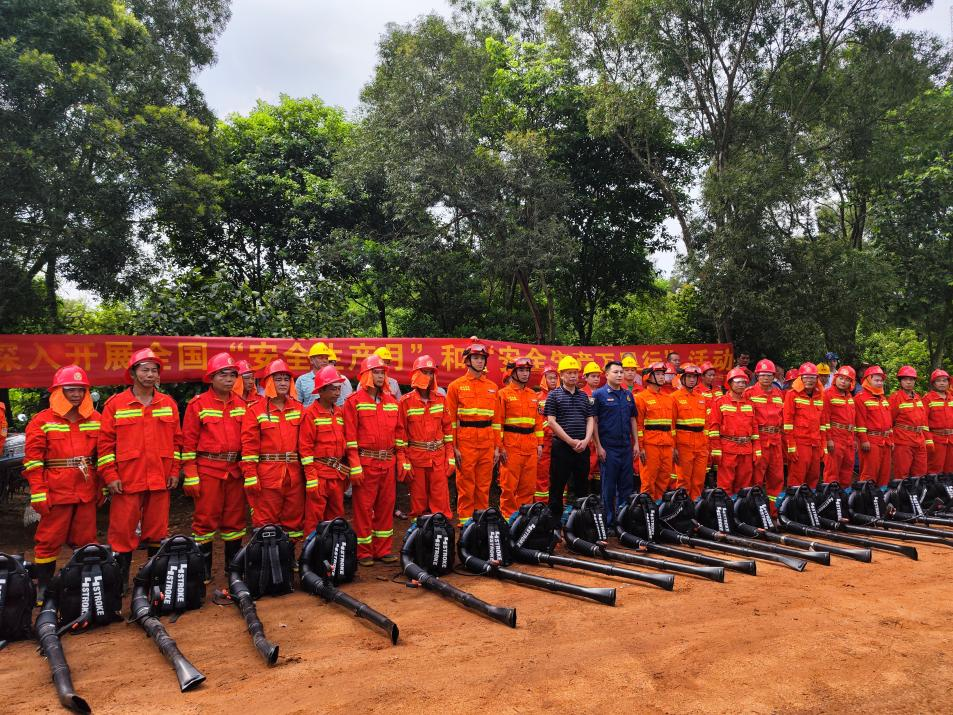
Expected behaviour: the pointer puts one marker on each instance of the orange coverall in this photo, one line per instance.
(805, 428)
(64, 495)
(474, 415)
(841, 412)
(522, 435)
(911, 434)
(733, 433)
(274, 481)
(691, 440)
(542, 466)
(769, 417)
(874, 426)
(428, 450)
(322, 451)
(656, 431)
(940, 420)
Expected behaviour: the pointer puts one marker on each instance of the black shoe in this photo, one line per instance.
(44, 574)
(206, 550)
(231, 551)
(125, 564)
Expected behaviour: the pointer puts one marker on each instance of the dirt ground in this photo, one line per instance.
(851, 637)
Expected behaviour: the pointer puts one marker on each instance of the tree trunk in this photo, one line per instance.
(382, 315)
(527, 292)
(50, 280)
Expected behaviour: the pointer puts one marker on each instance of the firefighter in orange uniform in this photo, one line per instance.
(211, 459)
(139, 459)
(321, 446)
(939, 404)
(59, 462)
(710, 390)
(656, 432)
(841, 409)
(691, 439)
(522, 439)
(806, 424)
(768, 403)
(733, 433)
(425, 424)
(549, 382)
(671, 386)
(247, 388)
(372, 433)
(592, 376)
(874, 427)
(911, 430)
(474, 413)
(273, 478)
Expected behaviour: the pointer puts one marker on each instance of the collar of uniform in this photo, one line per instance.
(383, 393)
(290, 403)
(128, 397)
(318, 407)
(232, 397)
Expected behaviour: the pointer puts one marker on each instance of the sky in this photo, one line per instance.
(328, 48)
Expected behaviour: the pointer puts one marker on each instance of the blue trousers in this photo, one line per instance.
(618, 480)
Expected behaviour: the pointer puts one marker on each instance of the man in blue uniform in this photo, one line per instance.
(616, 438)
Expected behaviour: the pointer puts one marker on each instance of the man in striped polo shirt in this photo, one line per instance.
(569, 412)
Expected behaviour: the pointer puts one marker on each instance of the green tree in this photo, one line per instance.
(98, 119)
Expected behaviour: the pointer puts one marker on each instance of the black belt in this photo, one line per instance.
(475, 423)
(687, 428)
(659, 428)
(518, 430)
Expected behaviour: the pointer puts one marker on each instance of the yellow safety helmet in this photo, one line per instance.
(568, 363)
(332, 356)
(629, 361)
(823, 369)
(591, 367)
(319, 349)
(383, 353)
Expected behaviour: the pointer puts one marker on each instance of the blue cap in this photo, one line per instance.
(832, 356)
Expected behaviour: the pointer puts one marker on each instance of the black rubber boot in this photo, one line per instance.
(231, 550)
(206, 550)
(44, 574)
(125, 564)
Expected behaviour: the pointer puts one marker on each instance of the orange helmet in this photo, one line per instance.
(735, 373)
(790, 375)
(276, 367)
(807, 368)
(907, 371)
(244, 367)
(874, 370)
(327, 375)
(372, 362)
(653, 367)
(706, 366)
(765, 366)
(691, 369)
(141, 356)
(70, 376)
(217, 363)
(549, 367)
(424, 362)
(523, 362)
(939, 373)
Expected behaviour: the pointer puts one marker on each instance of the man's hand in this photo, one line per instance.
(865, 446)
(539, 451)
(674, 455)
(457, 457)
(172, 481)
(578, 445)
(502, 456)
(115, 487)
(642, 457)
(830, 446)
(601, 451)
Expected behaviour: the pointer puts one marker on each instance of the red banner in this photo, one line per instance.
(31, 360)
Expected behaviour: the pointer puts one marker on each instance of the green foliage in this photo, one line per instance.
(894, 347)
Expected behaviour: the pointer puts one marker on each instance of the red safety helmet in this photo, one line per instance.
(874, 370)
(807, 368)
(736, 373)
(372, 362)
(653, 367)
(141, 356)
(670, 369)
(424, 362)
(939, 373)
(907, 371)
(243, 367)
(846, 371)
(276, 367)
(70, 376)
(217, 363)
(549, 367)
(523, 362)
(475, 348)
(764, 366)
(790, 375)
(691, 369)
(327, 375)
(706, 366)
